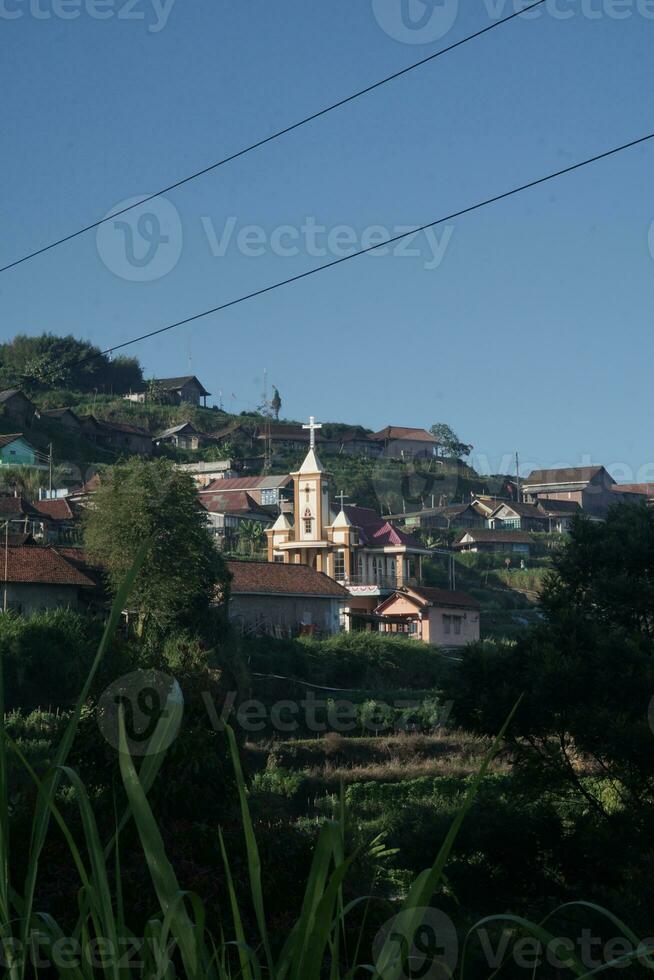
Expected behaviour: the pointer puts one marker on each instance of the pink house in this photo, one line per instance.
(436, 616)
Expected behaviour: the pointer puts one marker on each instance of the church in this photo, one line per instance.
(362, 551)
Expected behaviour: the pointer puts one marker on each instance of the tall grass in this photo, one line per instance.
(178, 943)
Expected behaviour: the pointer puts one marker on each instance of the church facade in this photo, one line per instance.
(353, 545)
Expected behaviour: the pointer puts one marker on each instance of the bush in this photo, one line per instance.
(364, 661)
(46, 658)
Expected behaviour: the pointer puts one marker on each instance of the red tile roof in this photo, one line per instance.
(565, 475)
(445, 597)
(275, 578)
(42, 566)
(497, 534)
(123, 427)
(376, 531)
(58, 509)
(247, 483)
(646, 489)
(231, 503)
(13, 508)
(403, 432)
(433, 597)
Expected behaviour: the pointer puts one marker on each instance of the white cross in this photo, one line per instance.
(341, 496)
(312, 426)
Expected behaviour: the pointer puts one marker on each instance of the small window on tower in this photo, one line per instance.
(307, 525)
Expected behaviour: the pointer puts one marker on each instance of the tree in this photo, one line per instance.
(178, 582)
(587, 673)
(51, 361)
(451, 445)
(251, 535)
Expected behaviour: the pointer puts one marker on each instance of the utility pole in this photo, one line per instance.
(4, 600)
(517, 477)
(50, 475)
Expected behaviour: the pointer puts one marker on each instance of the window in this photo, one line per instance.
(452, 624)
(269, 496)
(307, 525)
(339, 566)
(278, 558)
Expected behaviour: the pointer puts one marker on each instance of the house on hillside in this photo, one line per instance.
(119, 435)
(519, 517)
(638, 492)
(559, 514)
(354, 441)
(36, 579)
(227, 512)
(283, 437)
(17, 408)
(186, 390)
(436, 616)
(486, 505)
(284, 600)
(205, 473)
(592, 487)
(15, 450)
(494, 541)
(22, 517)
(401, 442)
(83, 496)
(184, 436)
(65, 417)
(440, 518)
(62, 526)
(268, 491)
(235, 433)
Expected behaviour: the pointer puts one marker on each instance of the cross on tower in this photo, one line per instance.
(312, 427)
(341, 496)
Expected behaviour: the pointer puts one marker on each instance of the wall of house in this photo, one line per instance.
(434, 627)
(30, 599)
(17, 453)
(414, 448)
(19, 410)
(286, 611)
(190, 394)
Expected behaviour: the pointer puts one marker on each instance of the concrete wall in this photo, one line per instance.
(435, 628)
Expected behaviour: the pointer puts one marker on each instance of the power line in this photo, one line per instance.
(363, 251)
(271, 138)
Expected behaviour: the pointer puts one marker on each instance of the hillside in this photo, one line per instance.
(385, 484)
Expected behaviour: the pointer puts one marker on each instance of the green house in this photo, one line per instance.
(15, 450)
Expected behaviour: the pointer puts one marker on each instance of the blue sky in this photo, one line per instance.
(525, 326)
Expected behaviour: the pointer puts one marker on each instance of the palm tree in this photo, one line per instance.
(251, 536)
(27, 480)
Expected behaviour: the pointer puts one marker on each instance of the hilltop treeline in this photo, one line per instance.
(35, 363)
